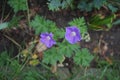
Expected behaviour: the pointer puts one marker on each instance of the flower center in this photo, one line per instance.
(73, 33)
(48, 37)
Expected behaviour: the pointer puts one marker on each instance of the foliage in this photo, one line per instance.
(40, 24)
(8, 68)
(51, 56)
(55, 54)
(112, 8)
(67, 49)
(3, 25)
(83, 5)
(32, 74)
(18, 5)
(11, 68)
(98, 3)
(86, 5)
(56, 5)
(81, 24)
(59, 33)
(14, 21)
(10, 24)
(116, 22)
(17, 68)
(98, 22)
(83, 57)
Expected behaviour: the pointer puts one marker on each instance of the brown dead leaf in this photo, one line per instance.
(53, 68)
(34, 56)
(32, 12)
(108, 60)
(104, 49)
(96, 50)
(25, 52)
(40, 47)
(40, 55)
(34, 62)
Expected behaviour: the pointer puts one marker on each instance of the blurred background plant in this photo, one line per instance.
(84, 5)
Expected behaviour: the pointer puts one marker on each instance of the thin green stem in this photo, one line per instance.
(85, 70)
(45, 66)
(103, 72)
(3, 10)
(28, 15)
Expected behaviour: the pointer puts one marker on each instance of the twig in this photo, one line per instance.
(12, 40)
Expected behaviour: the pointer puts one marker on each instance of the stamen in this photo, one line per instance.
(73, 33)
(48, 37)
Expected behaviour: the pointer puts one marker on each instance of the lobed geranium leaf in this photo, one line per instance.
(40, 24)
(83, 57)
(18, 5)
(51, 56)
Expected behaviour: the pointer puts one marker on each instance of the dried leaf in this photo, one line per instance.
(96, 50)
(109, 60)
(40, 55)
(25, 52)
(53, 68)
(104, 49)
(34, 62)
(34, 56)
(40, 47)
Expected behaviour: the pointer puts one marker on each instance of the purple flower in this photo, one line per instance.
(72, 34)
(47, 39)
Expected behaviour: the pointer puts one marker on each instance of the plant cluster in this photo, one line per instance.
(73, 34)
(83, 5)
(11, 69)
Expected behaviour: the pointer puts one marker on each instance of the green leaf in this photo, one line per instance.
(66, 3)
(99, 23)
(51, 56)
(83, 57)
(98, 3)
(54, 5)
(3, 58)
(40, 24)
(112, 8)
(59, 34)
(14, 21)
(67, 49)
(18, 5)
(84, 6)
(4, 25)
(15, 67)
(81, 24)
(117, 22)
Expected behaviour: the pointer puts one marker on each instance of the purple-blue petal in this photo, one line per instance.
(44, 40)
(72, 39)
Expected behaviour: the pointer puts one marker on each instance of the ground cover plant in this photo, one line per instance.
(53, 40)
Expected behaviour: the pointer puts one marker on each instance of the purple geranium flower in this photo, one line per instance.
(72, 34)
(47, 39)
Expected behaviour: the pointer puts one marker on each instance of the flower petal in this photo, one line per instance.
(48, 42)
(72, 38)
